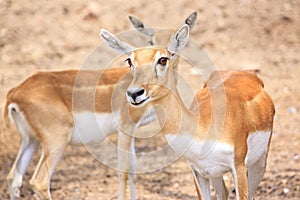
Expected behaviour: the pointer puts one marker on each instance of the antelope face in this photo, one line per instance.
(150, 68)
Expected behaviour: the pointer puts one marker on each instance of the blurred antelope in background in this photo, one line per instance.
(160, 37)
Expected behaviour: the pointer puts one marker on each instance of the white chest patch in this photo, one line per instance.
(90, 128)
(148, 117)
(211, 158)
(257, 145)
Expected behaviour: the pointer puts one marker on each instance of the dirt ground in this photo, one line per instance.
(57, 35)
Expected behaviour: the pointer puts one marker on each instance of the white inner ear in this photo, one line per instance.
(141, 27)
(179, 40)
(114, 42)
(160, 70)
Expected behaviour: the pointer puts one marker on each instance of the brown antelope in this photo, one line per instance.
(54, 109)
(227, 128)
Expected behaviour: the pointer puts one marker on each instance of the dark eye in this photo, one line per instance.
(129, 62)
(162, 61)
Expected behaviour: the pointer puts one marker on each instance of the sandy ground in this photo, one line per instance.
(56, 35)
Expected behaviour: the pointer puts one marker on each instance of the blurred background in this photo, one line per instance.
(245, 34)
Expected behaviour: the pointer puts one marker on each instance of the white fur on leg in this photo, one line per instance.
(202, 184)
(25, 153)
(220, 188)
(255, 175)
(256, 158)
(15, 186)
(124, 158)
(132, 165)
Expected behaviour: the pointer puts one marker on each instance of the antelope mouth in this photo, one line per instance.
(139, 103)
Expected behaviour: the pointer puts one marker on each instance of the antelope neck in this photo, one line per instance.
(174, 117)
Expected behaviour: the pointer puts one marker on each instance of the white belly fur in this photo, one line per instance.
(91, 128)
(210, 158)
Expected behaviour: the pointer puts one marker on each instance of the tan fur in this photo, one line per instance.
(245, 97)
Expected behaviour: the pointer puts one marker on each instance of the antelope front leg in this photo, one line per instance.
(126, 164)
(132, 167)
(202, 185)
(220, 187)
(241, 183)
(197, 189)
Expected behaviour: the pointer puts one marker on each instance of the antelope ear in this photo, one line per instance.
(179, 40)
(191, 20)
(140, 27)
(115, 43)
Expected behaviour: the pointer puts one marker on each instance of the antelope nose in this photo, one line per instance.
(134, 94)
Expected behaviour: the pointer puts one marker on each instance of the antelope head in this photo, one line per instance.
(152, 67)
